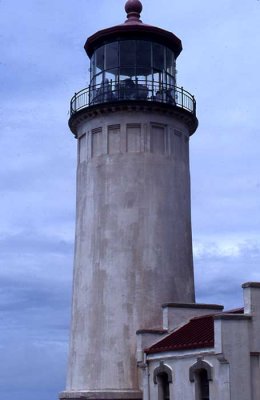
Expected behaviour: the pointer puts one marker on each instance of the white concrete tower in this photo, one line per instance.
(133, 247)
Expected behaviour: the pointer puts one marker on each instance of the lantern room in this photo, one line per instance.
(133, 62)
(132, 70)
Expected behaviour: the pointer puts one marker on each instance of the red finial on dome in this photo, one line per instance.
(133, 9)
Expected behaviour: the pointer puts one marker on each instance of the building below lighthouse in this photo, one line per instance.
(204, 353)
(136, 331)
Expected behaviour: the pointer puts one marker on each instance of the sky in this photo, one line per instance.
(42, 64)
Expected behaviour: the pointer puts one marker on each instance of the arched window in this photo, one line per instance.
(202, 384)
(163, 377)
(201, 374)
(163, 387)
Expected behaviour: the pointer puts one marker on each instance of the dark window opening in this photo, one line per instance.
(163, 387)
(203, 385)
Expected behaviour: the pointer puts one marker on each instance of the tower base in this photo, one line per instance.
(101, 395)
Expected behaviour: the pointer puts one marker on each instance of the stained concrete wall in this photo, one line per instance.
(133, 247)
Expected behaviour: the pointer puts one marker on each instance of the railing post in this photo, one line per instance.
(75, 102)
(194, 105)
(182, 96)
(88, 95)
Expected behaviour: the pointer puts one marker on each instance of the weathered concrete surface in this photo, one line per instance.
(133, 248)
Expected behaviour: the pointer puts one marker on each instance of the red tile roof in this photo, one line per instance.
(197, 333)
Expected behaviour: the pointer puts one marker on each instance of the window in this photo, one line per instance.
(202, 384)
(162, 376)
(201, 373)
(163, 387)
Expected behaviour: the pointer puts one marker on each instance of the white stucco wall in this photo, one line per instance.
(181, 388)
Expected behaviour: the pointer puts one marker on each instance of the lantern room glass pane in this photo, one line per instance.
(111, 74)
(99, 78)
(143, 55)
(126, 73)
(100, 57)
(158, 56)
(111, 55)
(92, 67)
(170, 62)
(127, 53)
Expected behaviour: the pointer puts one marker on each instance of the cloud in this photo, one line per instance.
(221, 267)
(39, 368)
(35, 315)
(33, 243)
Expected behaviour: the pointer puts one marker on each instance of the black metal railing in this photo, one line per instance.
(112, 91)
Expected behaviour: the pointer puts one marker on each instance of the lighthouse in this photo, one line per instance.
(133, 244)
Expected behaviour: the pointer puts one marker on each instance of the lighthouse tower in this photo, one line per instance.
(133, 248)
